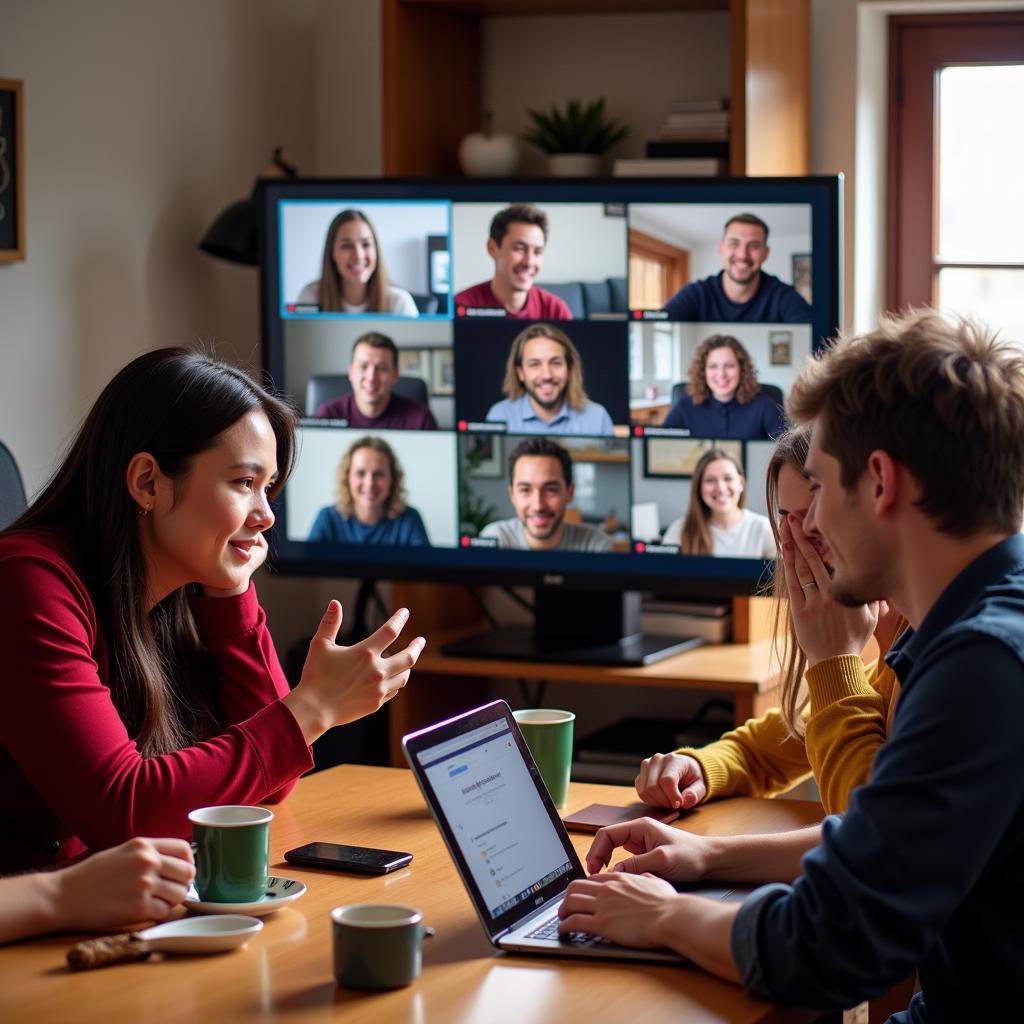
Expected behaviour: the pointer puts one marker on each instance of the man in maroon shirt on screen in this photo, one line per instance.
(372, 373)
(518, 236)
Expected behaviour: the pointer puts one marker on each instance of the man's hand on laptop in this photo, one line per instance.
(656, 849)
(631, 910)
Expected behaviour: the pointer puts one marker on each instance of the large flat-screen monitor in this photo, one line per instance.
(512, 381)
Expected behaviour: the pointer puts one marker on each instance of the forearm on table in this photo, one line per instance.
(27, 905)
(701, 930)
(759, 858)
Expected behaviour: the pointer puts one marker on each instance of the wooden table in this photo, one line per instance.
(442, 685)
(284, 973)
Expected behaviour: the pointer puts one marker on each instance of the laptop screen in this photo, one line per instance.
(488, 798)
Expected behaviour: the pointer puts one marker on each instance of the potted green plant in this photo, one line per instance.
(575, 138)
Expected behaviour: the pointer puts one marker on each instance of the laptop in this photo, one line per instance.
(504, 834)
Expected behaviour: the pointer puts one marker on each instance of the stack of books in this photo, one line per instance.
(693, 140)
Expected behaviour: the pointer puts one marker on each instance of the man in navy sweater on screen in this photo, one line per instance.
(916, 465)
(741, 292)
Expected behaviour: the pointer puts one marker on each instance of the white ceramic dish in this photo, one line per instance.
(280, 891)
(202, 934)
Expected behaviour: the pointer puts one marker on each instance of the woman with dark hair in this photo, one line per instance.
(140, 679)
(717, 521)
(723, 398)
(834, 711)
(353, 278)
(370, 508)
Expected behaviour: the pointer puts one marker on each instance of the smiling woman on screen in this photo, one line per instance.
(716, 522)
(353, 278)
(140, 680)
(723, 398)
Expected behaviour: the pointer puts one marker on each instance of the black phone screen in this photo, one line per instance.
(335, 857)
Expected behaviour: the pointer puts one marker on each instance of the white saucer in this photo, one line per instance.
(202, 934)
(279, 892)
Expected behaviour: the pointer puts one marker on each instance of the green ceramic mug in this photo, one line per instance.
(377, 945)
(232, 848)
(548, 734)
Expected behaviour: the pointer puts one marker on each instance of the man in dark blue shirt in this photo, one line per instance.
(741, 291)
(917, 468)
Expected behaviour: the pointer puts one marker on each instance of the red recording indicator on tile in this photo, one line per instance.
(464, 541)
(460, 310)
(638, 431)
(639, 547)
(463, 426)
(638, 314)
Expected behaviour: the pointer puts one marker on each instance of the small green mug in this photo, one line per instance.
(548, 734)
(232, 848)
(377, 945)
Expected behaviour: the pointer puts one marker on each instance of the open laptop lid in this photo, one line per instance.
(492, 807)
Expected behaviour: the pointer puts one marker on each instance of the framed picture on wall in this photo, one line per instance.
(780, 348)
(442, 371)
(677, 457)
(483, 455)
(802, 274)
(12, 177)
(414, 362)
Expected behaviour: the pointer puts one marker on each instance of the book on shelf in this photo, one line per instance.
(717, 149)
(676, 134)
(687, 167)
(711, 622)
(719, 120)
(706, 104)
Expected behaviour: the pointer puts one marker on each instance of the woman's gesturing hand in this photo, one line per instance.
(341, 684)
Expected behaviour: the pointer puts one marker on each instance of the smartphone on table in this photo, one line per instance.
(364, 860)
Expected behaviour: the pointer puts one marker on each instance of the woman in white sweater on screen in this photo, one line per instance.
(353, 278)
(716, 522)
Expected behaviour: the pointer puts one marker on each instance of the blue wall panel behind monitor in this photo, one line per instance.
(422, 491)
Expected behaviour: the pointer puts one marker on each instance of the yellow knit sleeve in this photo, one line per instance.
(851, 708)
(756, 759)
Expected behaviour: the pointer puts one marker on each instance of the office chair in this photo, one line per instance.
(12, 490)
(322, 387)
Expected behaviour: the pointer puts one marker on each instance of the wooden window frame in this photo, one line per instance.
(920, 46)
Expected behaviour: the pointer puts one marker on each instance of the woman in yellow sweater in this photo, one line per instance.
(833, 725)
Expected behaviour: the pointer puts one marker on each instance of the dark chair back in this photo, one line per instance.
(322, 387)
(12, 490)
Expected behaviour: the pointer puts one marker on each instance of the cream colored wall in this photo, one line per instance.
(142, 121)
(347, 130)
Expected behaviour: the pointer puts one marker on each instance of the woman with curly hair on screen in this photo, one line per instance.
(723, 398)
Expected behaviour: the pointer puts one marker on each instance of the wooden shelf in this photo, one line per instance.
(432, 74)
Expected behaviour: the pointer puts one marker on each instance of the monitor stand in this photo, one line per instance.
(576, 627)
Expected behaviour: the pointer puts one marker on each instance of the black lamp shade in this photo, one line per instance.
(233, 235)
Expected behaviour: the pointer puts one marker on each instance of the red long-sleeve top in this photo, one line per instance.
(71, 776)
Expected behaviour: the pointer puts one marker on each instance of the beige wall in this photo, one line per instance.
(142, 120)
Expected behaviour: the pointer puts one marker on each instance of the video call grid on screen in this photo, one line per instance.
(630, 367)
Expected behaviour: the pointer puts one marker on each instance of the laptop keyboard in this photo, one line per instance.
(549, 930)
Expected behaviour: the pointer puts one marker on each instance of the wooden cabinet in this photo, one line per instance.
(432, 76)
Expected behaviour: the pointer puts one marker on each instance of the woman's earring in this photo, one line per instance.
(144, 510)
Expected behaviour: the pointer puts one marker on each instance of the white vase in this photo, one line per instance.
(483, 155)
(574, 165)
